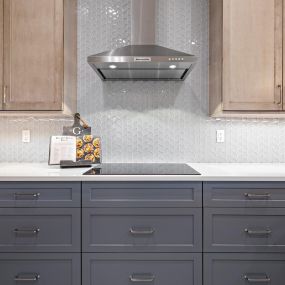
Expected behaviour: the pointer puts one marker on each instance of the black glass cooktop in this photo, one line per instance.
(142, 169)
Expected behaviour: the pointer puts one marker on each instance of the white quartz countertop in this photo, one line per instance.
(209, 172)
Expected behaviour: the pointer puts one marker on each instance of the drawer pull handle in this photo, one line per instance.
(265, 196)
(27, 277)
(34, 231)
(142, 231)
(27, 196)
(265, 232)
(252, 278)
(142, 277)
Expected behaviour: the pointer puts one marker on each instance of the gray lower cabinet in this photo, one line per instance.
(142, 268)
(142, 232)
(43, 269)
(40, 194)
(40, 230)
(243, 268)
(142, 229)
(142, 194)
(244, 230)
(244, 233)
(244, 194)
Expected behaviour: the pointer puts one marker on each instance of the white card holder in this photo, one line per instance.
(62, 148)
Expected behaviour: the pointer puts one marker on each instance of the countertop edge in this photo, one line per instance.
(10, 172)
(138, 178)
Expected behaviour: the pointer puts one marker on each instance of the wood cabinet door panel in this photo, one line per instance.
(252, 55)
(33, 54)
(1, 53)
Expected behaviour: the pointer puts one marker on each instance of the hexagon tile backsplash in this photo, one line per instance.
(148, 121)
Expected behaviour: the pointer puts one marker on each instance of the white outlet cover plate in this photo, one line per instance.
(26, 136)
(220, 136)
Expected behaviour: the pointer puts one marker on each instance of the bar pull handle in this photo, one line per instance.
(279, 102)
(27, 196)
(27, 277)
(146, 277)
(265, 232)
(253, 196)
(142, 231)
(253, 278)
(4, 94)
(24, 231)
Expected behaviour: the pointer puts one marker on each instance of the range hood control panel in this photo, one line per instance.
(176, 59)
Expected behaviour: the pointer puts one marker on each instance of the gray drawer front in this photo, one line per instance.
(142, 194)
(159, 269)
(244, 194)
(40, 230)
(49, 269)
(244, 230)
(142, 230)
(40, 194)
(244, 269)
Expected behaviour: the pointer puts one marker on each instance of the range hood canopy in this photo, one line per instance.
(142, 60)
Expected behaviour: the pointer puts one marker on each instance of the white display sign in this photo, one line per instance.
(62, 148)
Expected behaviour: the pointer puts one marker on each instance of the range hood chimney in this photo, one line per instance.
(143, 60)
(143, 22)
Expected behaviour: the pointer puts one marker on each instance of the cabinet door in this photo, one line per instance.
(41, 194)
(40, 269)
(40, 230)
(243, 269)
(142, 194)
(243, 194)
(141, 230)
(244, 230)
(252, 55)
(33, 55)
(141, 269)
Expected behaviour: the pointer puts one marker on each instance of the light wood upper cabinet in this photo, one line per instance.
(39, 53)
(246, 64)
(1, 50)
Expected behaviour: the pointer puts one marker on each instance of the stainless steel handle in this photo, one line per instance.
(257, 196)
(33, 231)
(27, 277)
(252, 278)
(147, 277)
(4, 94)
(141, 231)
(265, 232)
(27, 196)
(279, 102)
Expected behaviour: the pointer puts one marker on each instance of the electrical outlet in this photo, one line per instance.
(220, 136)
(26, 136)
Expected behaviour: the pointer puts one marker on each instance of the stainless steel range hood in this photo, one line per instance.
(143, 60)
